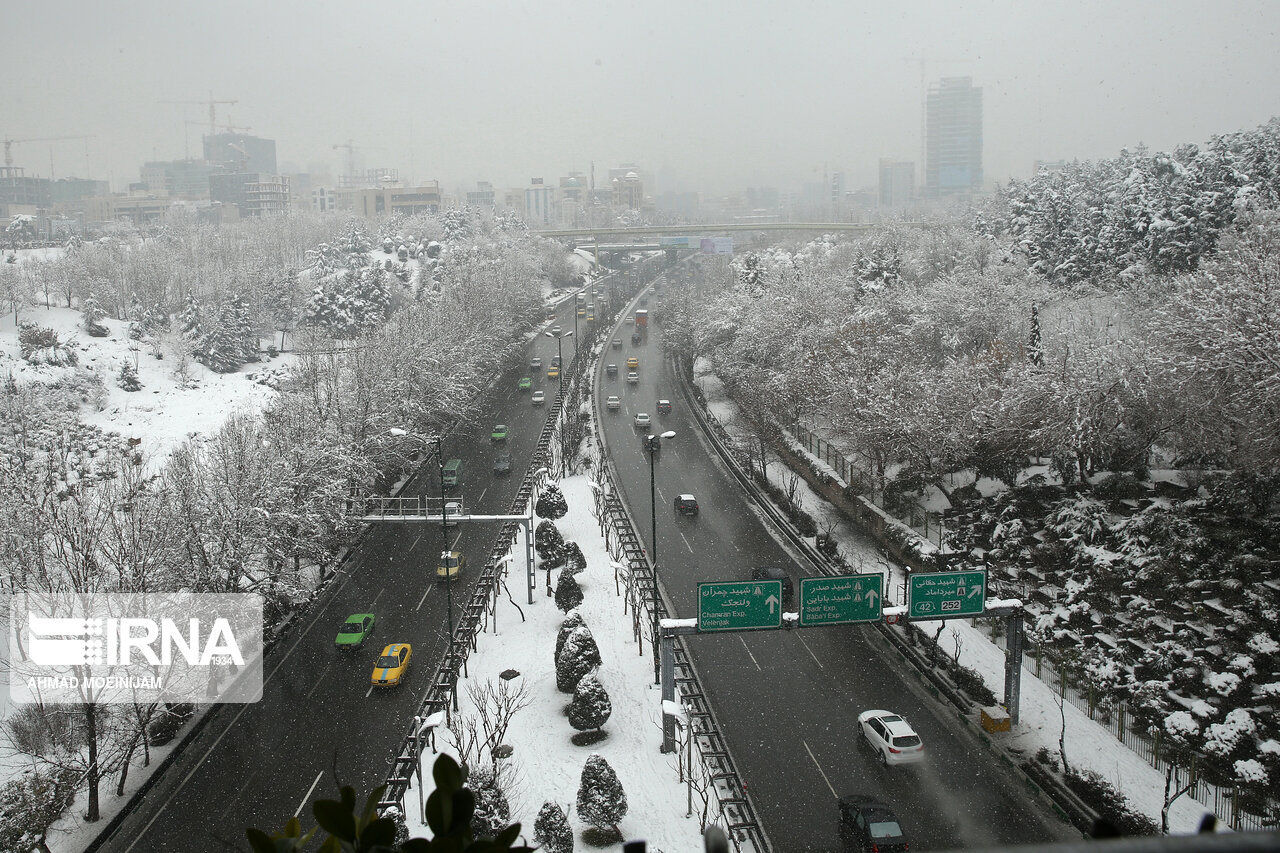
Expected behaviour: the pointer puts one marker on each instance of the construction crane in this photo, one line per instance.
(244, 155)
(226, 128)
(212, 104)
(9, 143)
(351, 155)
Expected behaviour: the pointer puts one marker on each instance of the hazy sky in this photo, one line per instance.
(705, 95)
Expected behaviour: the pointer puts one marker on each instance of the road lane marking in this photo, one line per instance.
(379, 595)
(753, 657)
(810, 651)
(319, 679)
(424, 598)
(686, 541)
(819, 766)
(486, 488)
(415, 542)
(320, 776)
(246, 784)
(454, 546)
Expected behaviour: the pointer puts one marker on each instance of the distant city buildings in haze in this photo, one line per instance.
(897, 184)
(953, 138)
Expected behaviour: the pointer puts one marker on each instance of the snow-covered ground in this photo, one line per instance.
(545, 765)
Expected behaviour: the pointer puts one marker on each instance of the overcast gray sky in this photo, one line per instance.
(706, 95)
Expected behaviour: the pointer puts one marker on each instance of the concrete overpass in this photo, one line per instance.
(630, 234)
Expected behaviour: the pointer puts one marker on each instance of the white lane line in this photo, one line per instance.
(486, 488)
(318, 680)
(415, 543)
(246, 784)
(424, 598)
(809, 650)
(686, 541)
(454, 546)
(320, 776)
(819, 766)
(753, 657)
(379, 595)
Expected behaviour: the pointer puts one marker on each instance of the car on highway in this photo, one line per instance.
(582, 312)
(535, 364)
(502, 463)
(892, 737)
(499, 433)
(641, 419)
(555, 331)
(553, 372)
(868, 825)
(525, 384)
(354, 631)
(633, 363)
(635, 338)
(555, 361)
(629, 319)
(617, 343)
(452, 509)
(611, 370)
(613, 403)
(451, 565)
(633, 377)
(686, 505)
(774, 573)
(390, 667)
(664, 407)
(538, 398)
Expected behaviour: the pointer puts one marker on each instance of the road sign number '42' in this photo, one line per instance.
(841, 600)
(941, 595)
(739, 605)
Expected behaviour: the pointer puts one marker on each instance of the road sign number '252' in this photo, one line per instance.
(935, 594)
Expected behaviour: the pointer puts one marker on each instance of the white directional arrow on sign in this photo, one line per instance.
(772, 601)
(977, 590)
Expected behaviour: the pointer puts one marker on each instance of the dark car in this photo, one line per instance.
(502, 463)
(635, 338)
(686, 505)
(774, 573)
(611, 370)
(869, 825)
(664, 407)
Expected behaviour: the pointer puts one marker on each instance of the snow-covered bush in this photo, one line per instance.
(601, 800)
(551, 829)
(591, 706)
(551, 504)
(492, 810)
(568, 593)
(577, 657)
(128, 379)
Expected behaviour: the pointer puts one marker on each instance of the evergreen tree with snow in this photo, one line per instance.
(240, 328)
(548, 541)
(551, 504)
(128, 378)
(574, 559)
(371, 298)
(591, 707)
(601, 800)
(577, 657)
(568, 593)
(93, 314)
(191, 320)
(571, 621)
(551, 829)
(492, 812)
(221, 349)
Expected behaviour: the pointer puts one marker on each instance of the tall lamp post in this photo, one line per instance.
(560, 348)
(653, 443)
(444, 545)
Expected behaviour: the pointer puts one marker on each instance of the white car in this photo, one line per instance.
(613, 403)
(642, 419)
(633, 377)
(452, 509)
(538, 398)
(892, 737)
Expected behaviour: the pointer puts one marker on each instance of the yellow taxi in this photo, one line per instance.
(633, 362)
(392, 664)
(451, 565)
(553, 373)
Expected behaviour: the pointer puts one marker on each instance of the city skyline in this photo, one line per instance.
(713, 98)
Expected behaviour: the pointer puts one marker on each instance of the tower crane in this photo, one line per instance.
(212, 104)
(9, 143)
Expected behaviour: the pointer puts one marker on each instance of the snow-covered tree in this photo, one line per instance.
(551, 829)
(590, 708)
(551, 504)
(568, 593)
(30, 804)
(577, 657)
(128, 378)
(573, 619)
(93, 313)
(492, 811)
(601, 800)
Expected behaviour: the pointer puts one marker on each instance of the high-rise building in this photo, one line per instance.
(239, 152)
(897, 183)
(953, 137)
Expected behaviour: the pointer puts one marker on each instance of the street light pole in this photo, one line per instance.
(444, 546)
(652, 444)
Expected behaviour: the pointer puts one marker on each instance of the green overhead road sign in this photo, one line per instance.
(942, 595)
(841, 600)
(739, 605)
